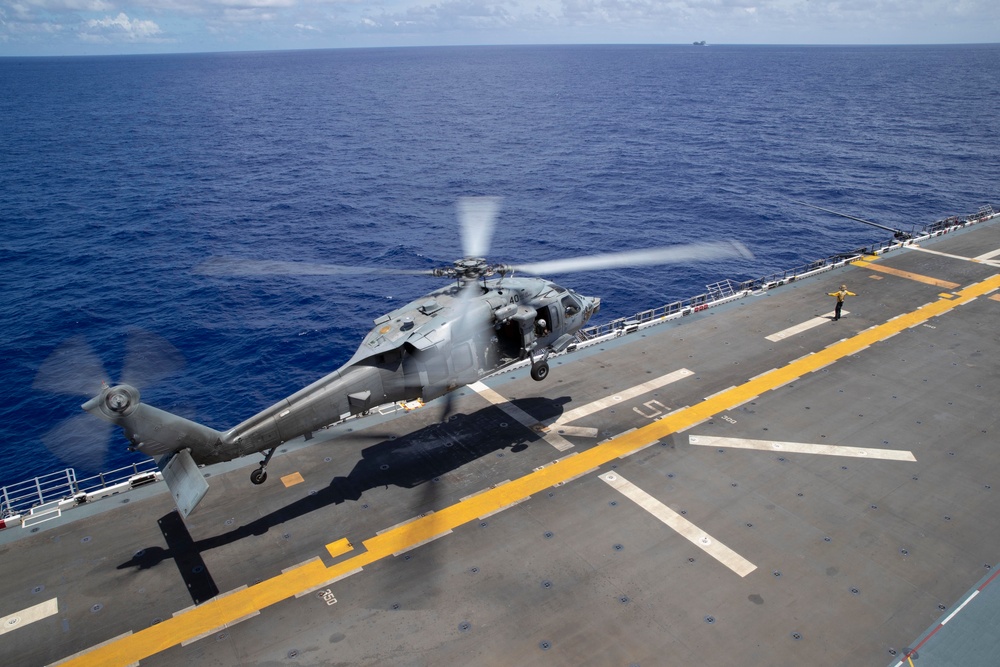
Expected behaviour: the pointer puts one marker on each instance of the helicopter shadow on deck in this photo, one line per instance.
(408, 461)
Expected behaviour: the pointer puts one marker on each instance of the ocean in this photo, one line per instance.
(120, 175)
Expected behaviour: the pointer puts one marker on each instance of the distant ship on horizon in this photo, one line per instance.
(701, 43)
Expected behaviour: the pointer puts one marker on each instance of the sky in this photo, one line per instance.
(104, 27)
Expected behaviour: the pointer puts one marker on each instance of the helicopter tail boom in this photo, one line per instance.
(153, 431)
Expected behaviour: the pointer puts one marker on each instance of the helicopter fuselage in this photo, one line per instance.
(423, 350)
(449, 338)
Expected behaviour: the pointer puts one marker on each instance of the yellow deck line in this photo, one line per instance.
(211, 614)
(905, 274)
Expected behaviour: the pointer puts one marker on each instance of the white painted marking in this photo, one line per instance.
(554, 439)
(93, 648)
(633, 392)
(988, 255)
(801, 448)
(30, 615)
(421, 543)
(960, 607)
(682, 526)
(805, 326)
(482, 491)
(327, 584)
(551, 430)
(655, 409)
(981, 259)
(403, 523)
(305, 562)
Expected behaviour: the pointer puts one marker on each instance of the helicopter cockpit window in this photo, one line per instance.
(570, 306)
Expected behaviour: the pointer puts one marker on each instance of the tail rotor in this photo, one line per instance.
(75, 369)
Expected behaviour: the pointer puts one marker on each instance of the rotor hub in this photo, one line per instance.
(121, 400)
(471, 268)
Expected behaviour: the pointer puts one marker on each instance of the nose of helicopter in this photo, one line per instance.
(592, 306)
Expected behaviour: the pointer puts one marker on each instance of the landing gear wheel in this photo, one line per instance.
(540, 371)
(258, 476)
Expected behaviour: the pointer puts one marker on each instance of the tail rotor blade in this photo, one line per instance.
(149, 358)
(80, 442)
(73, 368)
(477, 217)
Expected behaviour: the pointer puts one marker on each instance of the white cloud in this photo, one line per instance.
(119, 28)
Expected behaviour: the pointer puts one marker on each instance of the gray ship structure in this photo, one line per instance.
(737, 478)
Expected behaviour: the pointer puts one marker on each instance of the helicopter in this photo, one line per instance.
(484, 320)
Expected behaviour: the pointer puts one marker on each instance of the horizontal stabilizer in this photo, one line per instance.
(187, 485)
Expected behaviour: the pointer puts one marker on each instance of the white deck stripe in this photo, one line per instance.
(960, 607)
(608, 401)
(988, 255)
(805, 326)
(30, 615)
(92, 648)
(801, 448)
(551, 426)
(519, 415)
(982, 259)
(685, 528)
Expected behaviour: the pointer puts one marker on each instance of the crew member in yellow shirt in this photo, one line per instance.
(841, 295)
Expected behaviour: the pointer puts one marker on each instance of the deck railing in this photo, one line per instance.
(21, 498)
(729, 290)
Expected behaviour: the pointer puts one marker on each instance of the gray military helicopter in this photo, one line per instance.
(484, 320)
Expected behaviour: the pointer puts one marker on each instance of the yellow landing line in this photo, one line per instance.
(905, 274)
(173, 631)
(339, 548)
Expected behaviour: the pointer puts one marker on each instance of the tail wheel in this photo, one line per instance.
(540, 371)
(258, 476)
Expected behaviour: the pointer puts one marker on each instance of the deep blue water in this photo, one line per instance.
(118, 175)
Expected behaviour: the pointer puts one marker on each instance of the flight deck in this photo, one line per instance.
(754, 483)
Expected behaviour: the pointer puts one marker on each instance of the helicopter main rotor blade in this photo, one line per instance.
(226, 266)
(477, 217)
(691, 252)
